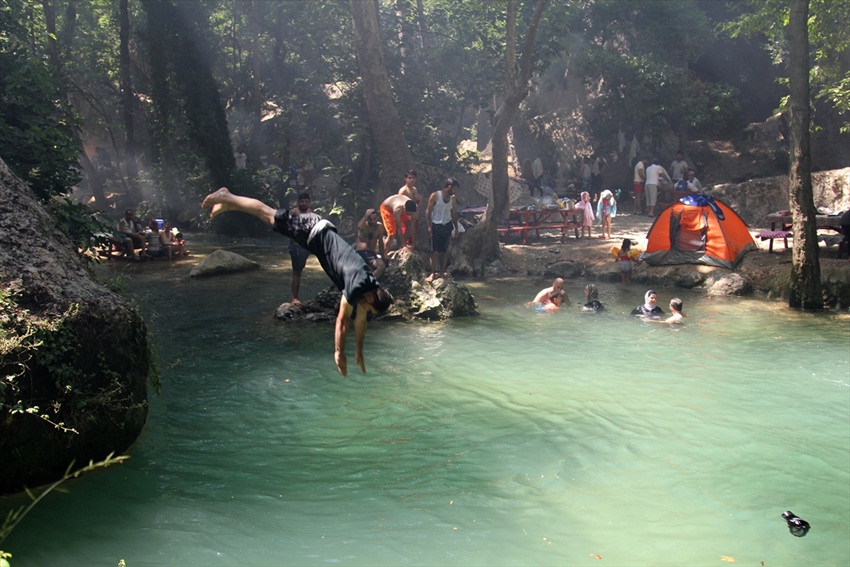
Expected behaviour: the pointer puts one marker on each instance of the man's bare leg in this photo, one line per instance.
(222, 201)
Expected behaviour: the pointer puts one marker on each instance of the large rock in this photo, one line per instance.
(223, 262)
(755, 199)
(74, 356)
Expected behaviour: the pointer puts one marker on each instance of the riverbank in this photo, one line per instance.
(764, 272)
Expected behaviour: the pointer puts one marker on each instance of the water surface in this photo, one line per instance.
(513, 438)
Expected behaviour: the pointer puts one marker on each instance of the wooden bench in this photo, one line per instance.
(772, 235)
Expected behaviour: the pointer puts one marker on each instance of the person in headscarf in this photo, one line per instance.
(649, 308)
(591, 295)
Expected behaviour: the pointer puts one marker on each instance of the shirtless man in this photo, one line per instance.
(370, 242)
(361, 292)
(554, 295)
(397, 213)
(409, 190)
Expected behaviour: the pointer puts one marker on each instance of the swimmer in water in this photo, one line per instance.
(649, 308)
(676, 317)
(551, 298)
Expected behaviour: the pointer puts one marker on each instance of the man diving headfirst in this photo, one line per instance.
(361, 292)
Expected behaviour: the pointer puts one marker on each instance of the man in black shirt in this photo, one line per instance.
(361, 292)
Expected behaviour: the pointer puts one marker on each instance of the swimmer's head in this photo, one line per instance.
(676, 304)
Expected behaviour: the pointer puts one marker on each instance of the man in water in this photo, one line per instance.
(361, 293)
(552, 297)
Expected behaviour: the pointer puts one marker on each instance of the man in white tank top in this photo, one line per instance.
(441, 218)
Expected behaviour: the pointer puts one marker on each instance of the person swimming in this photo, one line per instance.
(591, 294)
(649, 308)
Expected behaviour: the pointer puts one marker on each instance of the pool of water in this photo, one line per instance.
(512, 438)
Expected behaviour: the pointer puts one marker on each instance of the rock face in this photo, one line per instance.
(73, 355)
(757, 198)
(222, 262)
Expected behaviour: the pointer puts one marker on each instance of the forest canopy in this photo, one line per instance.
(151, 100)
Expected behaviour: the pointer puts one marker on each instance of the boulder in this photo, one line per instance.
(223, 262)
(729, 283)
(75, 358)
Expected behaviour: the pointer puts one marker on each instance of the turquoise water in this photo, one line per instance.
(513, 438)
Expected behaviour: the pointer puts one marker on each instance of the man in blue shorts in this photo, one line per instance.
(361, 293)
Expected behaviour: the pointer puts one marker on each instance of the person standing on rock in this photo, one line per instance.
(361, 292)
(441, 218)
(297, 253)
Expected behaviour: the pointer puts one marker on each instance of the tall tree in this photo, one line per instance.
(517, 76)
(394, 153)
(127, 95)
(806, 289)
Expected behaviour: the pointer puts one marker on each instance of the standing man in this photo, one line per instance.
(441, 217)
(537, 172)
(361, 293)
(654, 174)
(409, 190)
(370, 242)
(640, 179)
(397, 213)
(297, 253)
(679, 168)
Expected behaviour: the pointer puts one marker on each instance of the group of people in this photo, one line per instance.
(138, 241)
(650, 176)
(354, 269)
(553, 297)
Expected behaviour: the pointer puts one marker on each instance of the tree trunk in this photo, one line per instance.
(806, 289)
(516, 89)
(127, 100)
(393, 151)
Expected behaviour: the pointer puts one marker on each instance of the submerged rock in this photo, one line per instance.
(75, 358)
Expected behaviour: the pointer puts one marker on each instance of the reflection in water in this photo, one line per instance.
(513, 438)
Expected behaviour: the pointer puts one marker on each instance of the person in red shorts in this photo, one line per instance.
(397, 213)
(640, 180)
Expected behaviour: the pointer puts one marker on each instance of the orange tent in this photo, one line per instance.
(698, 229)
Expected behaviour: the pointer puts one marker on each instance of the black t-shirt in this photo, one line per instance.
(341, 262)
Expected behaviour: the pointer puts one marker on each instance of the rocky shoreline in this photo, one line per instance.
(759, 272)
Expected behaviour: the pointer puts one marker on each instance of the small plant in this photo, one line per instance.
(14, 517)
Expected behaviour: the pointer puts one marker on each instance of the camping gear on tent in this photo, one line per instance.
(698, 229)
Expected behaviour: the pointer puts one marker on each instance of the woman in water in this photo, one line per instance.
(591, 294)
(649, 308)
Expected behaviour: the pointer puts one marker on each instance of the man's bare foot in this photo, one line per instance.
(430, 278)
(217, 201)
(295, 301)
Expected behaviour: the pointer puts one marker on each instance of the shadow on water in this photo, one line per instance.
(513, 438)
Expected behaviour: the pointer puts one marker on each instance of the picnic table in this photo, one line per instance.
(780, 226)
(524, 221)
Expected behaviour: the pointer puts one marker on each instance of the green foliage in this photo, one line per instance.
(639, 55)
(829, 43)
(36, 128)
(87, 233)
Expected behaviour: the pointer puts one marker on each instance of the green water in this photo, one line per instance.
(513, 438)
